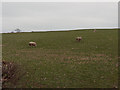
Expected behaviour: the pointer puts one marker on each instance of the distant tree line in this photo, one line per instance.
(16, 30)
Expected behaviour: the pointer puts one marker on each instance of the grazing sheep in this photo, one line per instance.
(78, 38)
(32, 44)
(94, 30)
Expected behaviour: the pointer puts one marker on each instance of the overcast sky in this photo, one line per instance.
(60, 15)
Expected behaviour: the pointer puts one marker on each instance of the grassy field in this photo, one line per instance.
(59, 61)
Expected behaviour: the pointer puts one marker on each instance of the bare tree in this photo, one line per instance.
(18, 30)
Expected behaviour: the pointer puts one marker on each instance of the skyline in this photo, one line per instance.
(62, 15)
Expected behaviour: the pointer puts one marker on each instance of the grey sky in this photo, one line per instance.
(60, 15)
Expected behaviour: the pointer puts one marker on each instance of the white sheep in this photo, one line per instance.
(94, 30)
(32, 44)
(78, 38)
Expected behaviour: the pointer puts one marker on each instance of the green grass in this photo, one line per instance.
(60, 61)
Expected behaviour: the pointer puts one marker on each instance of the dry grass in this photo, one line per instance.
(63, 56)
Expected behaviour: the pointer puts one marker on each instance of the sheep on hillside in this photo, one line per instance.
(32, 44)
(78, 38)
(94, 30)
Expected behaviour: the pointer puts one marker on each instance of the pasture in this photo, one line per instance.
(59, 61)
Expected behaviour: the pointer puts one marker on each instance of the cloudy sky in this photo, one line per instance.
(29, 16)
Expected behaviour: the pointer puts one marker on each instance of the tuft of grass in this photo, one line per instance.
(59, 61)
